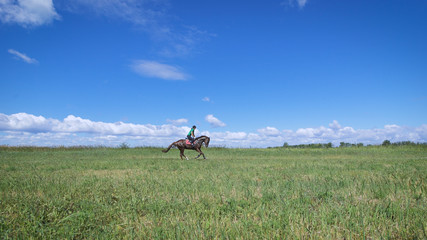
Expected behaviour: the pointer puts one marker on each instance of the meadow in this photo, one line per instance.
(279, 193)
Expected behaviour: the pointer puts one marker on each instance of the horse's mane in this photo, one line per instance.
(206, 141)
(201, 137)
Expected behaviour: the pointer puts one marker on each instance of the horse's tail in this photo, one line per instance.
(167, 150)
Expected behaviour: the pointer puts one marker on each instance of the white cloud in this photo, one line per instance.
(177, 122)
(72, 124)
(215, 122)
(206, 99)
(22, 56)
(334, 125)
(158, 70)
(28, 12)
(26, 122)
(269, 131)
(229, 135)
(28, 129)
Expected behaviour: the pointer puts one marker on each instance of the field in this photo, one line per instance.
(142, 193)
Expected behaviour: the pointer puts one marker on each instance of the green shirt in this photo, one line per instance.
(191, 131)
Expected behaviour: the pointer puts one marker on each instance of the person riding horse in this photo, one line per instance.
(182, 145)
(190, 135)
(196, 144)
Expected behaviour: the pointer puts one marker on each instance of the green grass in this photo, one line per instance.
(142, 193)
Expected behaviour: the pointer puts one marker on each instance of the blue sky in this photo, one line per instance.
(247, 73)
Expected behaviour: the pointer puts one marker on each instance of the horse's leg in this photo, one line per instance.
(200, 153)
(198, 156)
(182, 154)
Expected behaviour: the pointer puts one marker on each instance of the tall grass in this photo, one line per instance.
(337, 193)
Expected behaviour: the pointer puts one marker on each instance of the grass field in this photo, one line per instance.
(142, 193)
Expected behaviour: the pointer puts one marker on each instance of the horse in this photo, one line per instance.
(181, 145)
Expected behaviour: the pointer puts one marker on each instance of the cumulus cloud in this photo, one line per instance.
(229, 135)
(348, 134)
(334, 125)
(72, 124)
(215, 122)
(177, 122)
(269, 131)
(28, 13)
(22, 56)
(158, 70)
(206, 99)
(28, 129)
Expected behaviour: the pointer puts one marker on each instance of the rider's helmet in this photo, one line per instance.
(194, 126)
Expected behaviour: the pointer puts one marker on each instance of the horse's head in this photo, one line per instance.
(204, 139)
(207, 141)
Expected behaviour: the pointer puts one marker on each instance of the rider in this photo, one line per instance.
(190, 135)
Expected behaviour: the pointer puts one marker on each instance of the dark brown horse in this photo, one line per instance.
(181, 145)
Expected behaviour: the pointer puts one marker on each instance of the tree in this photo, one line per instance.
(124, 146)
(386, 143)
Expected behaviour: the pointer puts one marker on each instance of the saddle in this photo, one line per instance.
(187, 142)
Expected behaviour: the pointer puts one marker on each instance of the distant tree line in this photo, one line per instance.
(403, 143)
(312, 145)
(344, 144)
